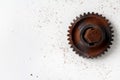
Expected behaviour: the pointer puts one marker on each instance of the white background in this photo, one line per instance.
(34, 46)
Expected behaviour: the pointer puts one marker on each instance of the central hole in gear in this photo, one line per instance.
(92, 36)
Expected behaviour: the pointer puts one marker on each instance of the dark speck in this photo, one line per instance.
(31, 74)
(36, 76)
(60, 22)
(56, 12)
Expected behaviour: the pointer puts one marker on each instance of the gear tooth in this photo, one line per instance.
(68, 30)
(96, 13)
(69, 42)
(68, 35)
(68, 39)
(106, 50)
(107, 20)
(100, 15)
(99, 55)
(108, 46)
(80, 54)
(103, 53)
(85, 14)
(112, 35)
(109, 24)
(111, 39)
(70, 27)
(84, 56)
(110, 43)
(93, 13)
(111, 27)
(77, 17)
(112, 31)
(71, 46)
(73, 49)
(92, 57)
(77, 52)
(71, 23)
(81, 15)
(104, 17)
(74, 20)
(88, 13)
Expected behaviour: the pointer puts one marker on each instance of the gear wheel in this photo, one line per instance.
(90, 35)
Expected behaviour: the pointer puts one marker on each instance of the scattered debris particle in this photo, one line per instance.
(60, 22)
(114, 8)
(44, 56)
(31, 74)
(36, 76)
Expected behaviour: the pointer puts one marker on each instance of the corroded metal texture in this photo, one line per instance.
(90, 35)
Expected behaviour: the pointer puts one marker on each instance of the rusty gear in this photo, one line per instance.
(90, 35)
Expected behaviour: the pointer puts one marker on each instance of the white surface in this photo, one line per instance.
(33, 41)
